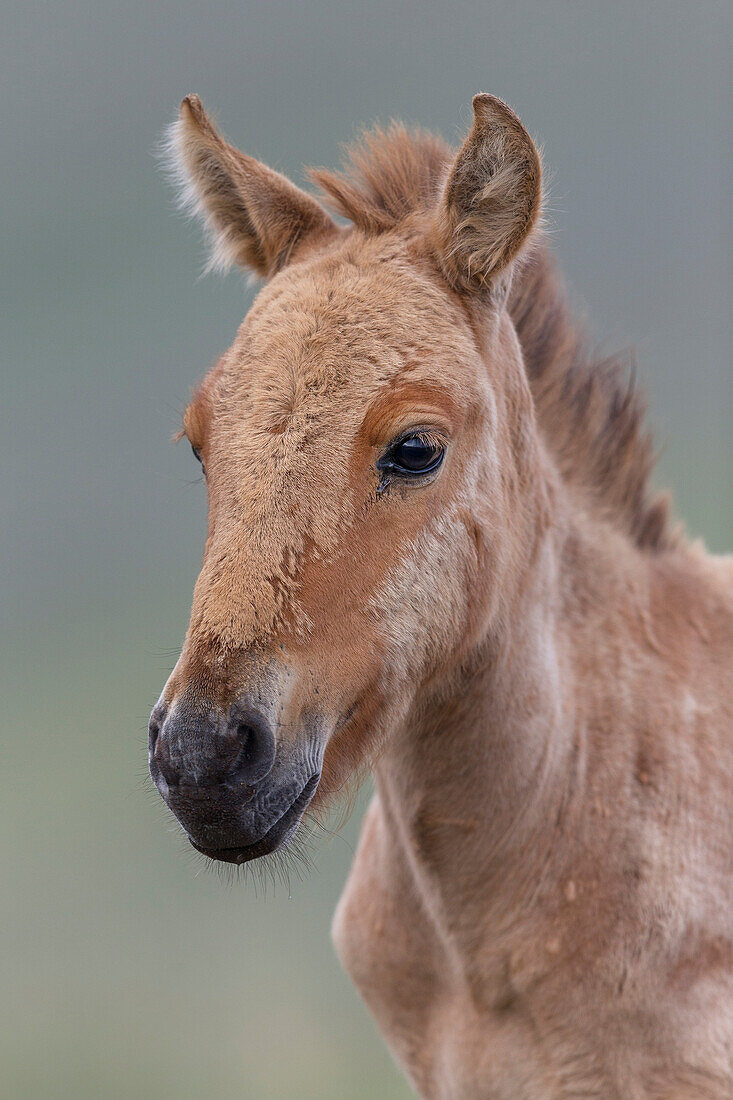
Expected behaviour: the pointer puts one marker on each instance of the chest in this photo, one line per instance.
(452, 1039)
(510, 1022)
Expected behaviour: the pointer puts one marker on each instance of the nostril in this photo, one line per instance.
(198, 749)
(249, 739)
(157, 718)
(256, 741)
(156, 764)
(153, 731)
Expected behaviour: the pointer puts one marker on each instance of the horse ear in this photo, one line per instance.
(491, 200)
(254, 216)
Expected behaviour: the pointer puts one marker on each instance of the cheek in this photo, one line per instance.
(423, 604)
(400, 596)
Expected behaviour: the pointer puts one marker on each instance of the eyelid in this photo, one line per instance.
(394, 424)
(427, 433)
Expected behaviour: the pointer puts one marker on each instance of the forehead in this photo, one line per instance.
(325, 339)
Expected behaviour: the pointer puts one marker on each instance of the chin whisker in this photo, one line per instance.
(266, 874)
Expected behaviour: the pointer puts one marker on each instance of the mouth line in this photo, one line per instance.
(271, 839)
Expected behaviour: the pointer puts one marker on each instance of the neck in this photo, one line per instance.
(484, 776)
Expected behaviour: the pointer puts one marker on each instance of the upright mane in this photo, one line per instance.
(588, 407)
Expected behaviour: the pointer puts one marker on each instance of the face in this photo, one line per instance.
(362, 443)
(344, 439)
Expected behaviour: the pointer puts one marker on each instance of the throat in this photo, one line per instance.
(480, 775)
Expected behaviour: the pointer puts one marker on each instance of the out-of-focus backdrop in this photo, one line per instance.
(126, 970)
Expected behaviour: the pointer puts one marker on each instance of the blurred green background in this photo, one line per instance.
(125, 969)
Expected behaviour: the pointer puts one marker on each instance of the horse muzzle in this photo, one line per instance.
(220, 772)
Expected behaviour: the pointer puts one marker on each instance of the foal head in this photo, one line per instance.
(369, 451)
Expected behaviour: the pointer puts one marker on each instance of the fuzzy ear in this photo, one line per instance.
(254, 216)
(491, 200)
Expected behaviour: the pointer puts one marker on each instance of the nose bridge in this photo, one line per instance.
(212, 675)
(246, 589)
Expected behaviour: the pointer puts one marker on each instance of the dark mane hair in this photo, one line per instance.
(588, 407)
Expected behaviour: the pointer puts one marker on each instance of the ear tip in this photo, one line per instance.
(484, 99)
(487, 108)
(191, 107)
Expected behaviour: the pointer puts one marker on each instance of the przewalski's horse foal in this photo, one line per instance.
(432, 547)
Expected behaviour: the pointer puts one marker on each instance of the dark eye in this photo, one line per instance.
(198, 457)
(415, 454)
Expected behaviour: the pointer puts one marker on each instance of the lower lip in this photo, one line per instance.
(278, 831)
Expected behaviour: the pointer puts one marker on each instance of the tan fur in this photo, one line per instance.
(538, 670)
(254, 216)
